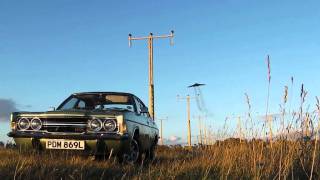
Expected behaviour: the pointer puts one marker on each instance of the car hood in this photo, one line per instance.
(69, 113)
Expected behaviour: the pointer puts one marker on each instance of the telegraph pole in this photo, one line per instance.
(205, 135)
(189, 126)
(150, 47)
(187, 98)
(161, 133)
(161, 128)
(239, 127)
(201, 131)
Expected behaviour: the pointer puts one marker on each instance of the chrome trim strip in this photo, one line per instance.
(52, 115)
(65, 124)
(65, 133)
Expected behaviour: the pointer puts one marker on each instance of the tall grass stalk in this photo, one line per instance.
(268, 99)
(281, 132)
(303, 125)
(316, 138)
(254, 169)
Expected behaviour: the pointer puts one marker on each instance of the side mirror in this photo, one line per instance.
(51, 109)
(144, 110)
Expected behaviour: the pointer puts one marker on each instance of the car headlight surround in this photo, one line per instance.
(95, 124)
(36, 124)
(110, 125)
(23, 124)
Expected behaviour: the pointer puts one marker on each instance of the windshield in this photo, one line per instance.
(98, 102)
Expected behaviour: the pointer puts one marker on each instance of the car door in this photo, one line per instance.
(143, 123)
(150, 122)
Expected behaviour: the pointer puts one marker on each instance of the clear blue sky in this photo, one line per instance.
(50, 49)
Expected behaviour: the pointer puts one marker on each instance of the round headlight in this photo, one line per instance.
(36, 124)
(110, 125)
(23, 124)
(95, 124)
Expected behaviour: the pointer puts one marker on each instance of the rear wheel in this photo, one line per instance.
(150, 154)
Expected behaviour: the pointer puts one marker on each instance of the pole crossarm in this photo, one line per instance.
(185, 98)
(151, 36)
(147, 37)
(150, 47)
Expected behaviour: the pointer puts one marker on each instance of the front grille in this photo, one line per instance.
(65, 125)
(66, 129)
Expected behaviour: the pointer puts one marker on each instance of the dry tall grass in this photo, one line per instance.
(290, 150)
(227, 159)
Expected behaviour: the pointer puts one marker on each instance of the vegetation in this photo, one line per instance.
(286, 149)
(227, 159)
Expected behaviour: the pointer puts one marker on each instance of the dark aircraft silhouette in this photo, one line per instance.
(196, 85)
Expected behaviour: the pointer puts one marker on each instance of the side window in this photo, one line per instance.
(137, 105)
(142, 106)
(70, 104)
(81, 105)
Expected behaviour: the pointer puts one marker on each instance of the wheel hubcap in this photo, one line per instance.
(134, 151)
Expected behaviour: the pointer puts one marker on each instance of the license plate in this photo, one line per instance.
(64, 144)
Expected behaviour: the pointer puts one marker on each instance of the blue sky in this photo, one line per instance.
(50, 49)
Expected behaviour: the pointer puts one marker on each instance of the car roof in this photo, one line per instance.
(103, 92)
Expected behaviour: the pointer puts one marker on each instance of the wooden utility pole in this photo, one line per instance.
(150, 47)
(189, 125)
(201, 131)
(187, 98)
(161, 129)
(239, 126)
(161, 133)
(206, 142)
(307, 125)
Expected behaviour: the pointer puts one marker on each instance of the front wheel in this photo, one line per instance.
(133, 155)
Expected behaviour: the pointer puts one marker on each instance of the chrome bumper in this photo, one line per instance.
(40, 135)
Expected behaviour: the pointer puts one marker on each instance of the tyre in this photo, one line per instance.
(150, 154)
(133, 155)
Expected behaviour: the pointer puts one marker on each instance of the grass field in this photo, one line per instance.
(228, 159)
(289, 150)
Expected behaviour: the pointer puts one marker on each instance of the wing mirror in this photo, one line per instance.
(144, 110)
(51, 109)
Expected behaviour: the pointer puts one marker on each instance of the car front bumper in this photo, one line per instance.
(94, 143)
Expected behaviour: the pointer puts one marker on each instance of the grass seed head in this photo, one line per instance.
(285, 96)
